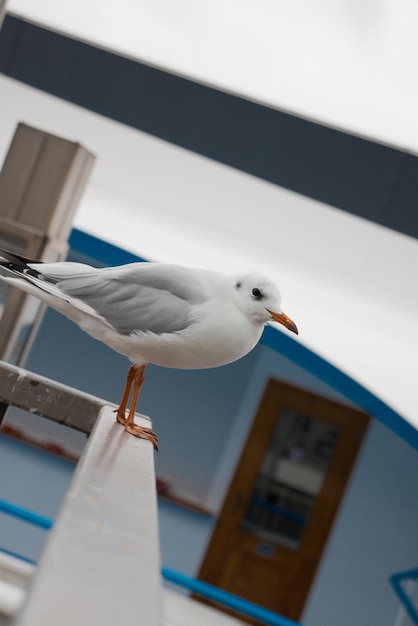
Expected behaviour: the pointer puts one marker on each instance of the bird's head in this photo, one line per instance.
(260, 300)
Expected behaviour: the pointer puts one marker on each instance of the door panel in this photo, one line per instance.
(283, 498)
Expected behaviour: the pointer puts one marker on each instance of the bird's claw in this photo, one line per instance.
(137, 431)
(142, 433)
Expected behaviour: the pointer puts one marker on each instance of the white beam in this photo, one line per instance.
(101, 563)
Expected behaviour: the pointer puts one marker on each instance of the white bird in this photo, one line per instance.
(169, 315)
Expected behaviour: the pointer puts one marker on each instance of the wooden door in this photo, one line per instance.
(283, 498)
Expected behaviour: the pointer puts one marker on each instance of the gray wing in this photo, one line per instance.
(132, 298)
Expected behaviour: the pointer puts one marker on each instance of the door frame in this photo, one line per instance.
(352, 424)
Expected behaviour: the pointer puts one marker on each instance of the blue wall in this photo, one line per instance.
(34, 480)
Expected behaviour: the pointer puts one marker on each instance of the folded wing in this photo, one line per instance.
(134, 298)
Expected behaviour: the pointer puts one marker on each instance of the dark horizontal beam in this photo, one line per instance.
(367, 179)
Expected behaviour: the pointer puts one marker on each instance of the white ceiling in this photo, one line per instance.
(351, 64)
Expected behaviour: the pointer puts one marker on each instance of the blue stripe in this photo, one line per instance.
(197, 586)
(210, 593)
(338, 380)
(100, 250)
(25, 515)
(17, 556)
(226, 599)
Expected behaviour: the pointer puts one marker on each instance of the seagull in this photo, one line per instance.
(170, 315)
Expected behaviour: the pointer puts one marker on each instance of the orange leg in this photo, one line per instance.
(136, 377)
(121, 410)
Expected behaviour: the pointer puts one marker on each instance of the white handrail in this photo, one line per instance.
(101, 563)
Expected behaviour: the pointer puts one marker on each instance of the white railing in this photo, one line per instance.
(101, 563)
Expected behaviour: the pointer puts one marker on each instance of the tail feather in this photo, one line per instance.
(32, 281)
(17, 264)
(15, 259)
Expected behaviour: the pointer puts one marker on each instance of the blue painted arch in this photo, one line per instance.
(108, 254)
(338, 380)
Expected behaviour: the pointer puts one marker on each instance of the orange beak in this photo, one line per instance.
(281, 318)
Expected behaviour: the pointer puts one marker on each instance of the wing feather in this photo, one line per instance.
(133, 298)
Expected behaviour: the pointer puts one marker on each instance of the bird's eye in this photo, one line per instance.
(238, 285)
(256, 292)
